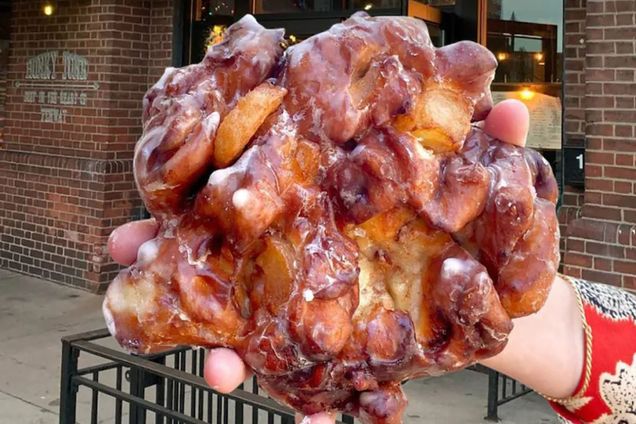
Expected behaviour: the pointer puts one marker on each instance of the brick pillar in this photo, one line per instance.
(65, 165)
(5, 25)
(574, 112)
(601, 243)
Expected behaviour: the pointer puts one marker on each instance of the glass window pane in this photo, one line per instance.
(527, 39)
(296, 6)
(206, 9)
(437, 3)
(375, 4)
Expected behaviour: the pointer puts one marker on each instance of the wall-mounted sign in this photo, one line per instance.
(55, 80)
(545, 117)
(574, 166)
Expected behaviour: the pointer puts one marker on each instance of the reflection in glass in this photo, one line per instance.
(375, 4)
(295, 6)
(436, 33)
(439, 3)
(205, 9)
(526, 38)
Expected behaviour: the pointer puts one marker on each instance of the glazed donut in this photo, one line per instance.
(329, 212)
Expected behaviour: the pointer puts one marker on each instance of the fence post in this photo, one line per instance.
(493, 395)
(68, 389)
(137, 389)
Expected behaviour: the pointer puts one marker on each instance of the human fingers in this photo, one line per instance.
(125, 240)
(224, 370)
(508, 121)
(319, 418)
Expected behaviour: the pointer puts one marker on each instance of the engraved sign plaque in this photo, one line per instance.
(55, 81)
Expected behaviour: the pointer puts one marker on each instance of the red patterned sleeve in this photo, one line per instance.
(607, 389)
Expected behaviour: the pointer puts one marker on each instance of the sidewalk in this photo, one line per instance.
(35, 314)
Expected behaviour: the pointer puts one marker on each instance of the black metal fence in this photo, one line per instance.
(105, 385)
(501, 389)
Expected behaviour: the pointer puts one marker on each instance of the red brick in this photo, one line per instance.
(629, 282)
(623, 187)
(601, 277)
(629, 216)
(623, 130)
(603, 249)
(628, 33)
(620, 173)
(613, 88)
(602, 212)
(575, 245)
(625, 6)
(603, 264)
(625, 267)
(622, 146)
(624, 19)
(628, 62)
(600, 20)
(600, 158)
(619, 116)
(593, 170)
(619, 200)
(572, 271)
(578, 259)
(601, 74)
(624, 47)
(599, 184)
(599, 102)
(586, 229)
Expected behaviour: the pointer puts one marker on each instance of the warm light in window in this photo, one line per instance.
(216, 35)
(538, 57)
(368, 6)
(48, 9)
(526, 93)
(501, 56)
(218, 29)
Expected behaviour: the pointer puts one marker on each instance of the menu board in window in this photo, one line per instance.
(545, 117)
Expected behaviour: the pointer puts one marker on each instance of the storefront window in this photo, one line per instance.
(208, 8)
(370, 5)
(527, 39)
(296, 6)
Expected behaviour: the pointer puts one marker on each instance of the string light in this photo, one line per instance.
(538, 57)
(501, 56)
(368, 6)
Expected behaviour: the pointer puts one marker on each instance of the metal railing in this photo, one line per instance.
(501, 389)
(169, 388)
(173, 380)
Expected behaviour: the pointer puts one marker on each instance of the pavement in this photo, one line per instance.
(35, 314)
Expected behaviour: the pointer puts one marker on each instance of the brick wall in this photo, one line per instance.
(574, 112)
(601, 242)
(5, 25)
(68, 184)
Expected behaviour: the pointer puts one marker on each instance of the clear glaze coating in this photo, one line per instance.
(366, 234)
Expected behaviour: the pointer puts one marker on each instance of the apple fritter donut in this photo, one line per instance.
(330, 213)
